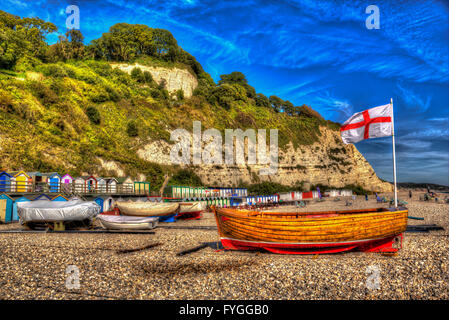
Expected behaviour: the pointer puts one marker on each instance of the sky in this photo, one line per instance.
(318, 53)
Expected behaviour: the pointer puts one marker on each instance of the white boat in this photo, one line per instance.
(52, 211)
(147, 209)
(190, 210)
(127, 222)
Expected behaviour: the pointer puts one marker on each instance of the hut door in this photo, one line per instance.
(4, 184)
(21, 184)
(2, 210)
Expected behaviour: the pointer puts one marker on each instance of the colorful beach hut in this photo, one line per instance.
(6, 203)
(59, 197)
(54, 181)
(66, 183)
(15, 215)
(22, 182)
(106, 203)
(5, 181)
(91, 184)
(141, 187)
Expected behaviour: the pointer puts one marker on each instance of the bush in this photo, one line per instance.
(132, 129)
(147, 77)
(93, 114)
(45, 95)
(185, 177)
(180, 95)
(137, 74)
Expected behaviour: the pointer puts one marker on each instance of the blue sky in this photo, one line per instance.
(315, 52)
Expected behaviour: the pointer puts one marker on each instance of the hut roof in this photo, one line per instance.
(4, 195)
(43, 195)
(20, 173)
(5, 173)
(59, 196)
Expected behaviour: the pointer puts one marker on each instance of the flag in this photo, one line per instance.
(371, 123)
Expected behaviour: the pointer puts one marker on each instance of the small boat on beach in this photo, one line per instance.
(164, 211)
(190, 210)
(112, 222)
(57, 215)
(368, 230)
(51, 211)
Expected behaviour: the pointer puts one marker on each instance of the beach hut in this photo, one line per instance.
(108, 203)
(54, 180)
(91, 184)
(102, 185)
(6, 203)
(141, 187)
(100, 201)
(22, 182)
(66, 183)
(79, 185)
(59, 197)
(126, 185)
(5, 181)
(42, 196)
(111, 184)
(15, 215)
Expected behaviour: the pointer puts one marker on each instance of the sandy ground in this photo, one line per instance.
(33, 266)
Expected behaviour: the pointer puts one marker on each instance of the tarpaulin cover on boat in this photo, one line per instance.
(73, 210)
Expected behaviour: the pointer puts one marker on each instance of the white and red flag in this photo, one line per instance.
(371, 123)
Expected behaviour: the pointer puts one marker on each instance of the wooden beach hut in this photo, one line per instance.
(100, 201)
(15, 215)
(22, 182)
(54, 180)
(79, 185)
(91, 184)
(59, 197)
(66, 183)
(102, 185)
(108, 203)
(6, 203)
(141, 187)
(5, 181)
(127, 185)
(111, 184)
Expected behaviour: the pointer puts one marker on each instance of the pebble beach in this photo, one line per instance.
(147, 266)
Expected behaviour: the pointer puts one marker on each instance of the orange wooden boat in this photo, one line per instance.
(369, 230)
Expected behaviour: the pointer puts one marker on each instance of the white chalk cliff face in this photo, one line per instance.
(328, 162)
(176, 78)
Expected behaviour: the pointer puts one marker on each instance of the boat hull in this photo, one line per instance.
(390, 244)
(369, 230)
(147, 209)
(190, 211)
(111, 222)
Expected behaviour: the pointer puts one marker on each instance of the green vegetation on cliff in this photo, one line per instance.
(64, 108)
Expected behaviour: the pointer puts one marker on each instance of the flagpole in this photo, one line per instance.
(394, 156)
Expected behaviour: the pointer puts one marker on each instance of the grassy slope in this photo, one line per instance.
(44, 126)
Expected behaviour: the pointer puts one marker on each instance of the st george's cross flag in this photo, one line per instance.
(371, 123)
